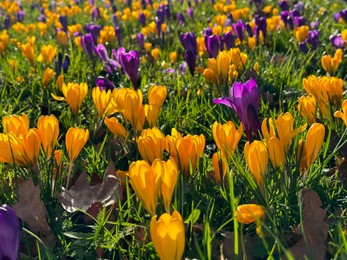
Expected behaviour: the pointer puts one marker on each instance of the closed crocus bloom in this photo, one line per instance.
(219, 166)
(170, 177)
(173, 57)
(151, 114)
(168, 236)
(237, 57)
(307, 108)
(75, 140)
(186, 150)
(276, 152)
(226, 137)
(48, 75)
(146, 181)
(28, 52)
(60, 82)
(223, 61)
(129, 103)
(130, 64)
(343, 114)
(209, 75)
(308, 151)
(10, 145)
(155, 53)
(74, 95)
(249, 213)
(336, 60)
(62, 38)
(326, 63)
(102, 101)
(157, 95)
(48, 127)
(9, 233)
(19, 125)
(47, 54)
(31, 146)
(116, 128)
(301, 33)
(257, 160)
(151, 144)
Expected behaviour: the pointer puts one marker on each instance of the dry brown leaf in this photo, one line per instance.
(81, 195)
(31, 209)
(314, 226)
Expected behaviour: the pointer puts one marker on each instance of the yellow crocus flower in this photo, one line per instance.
(342, 115)
(276, 152)
(116, 128)
(151, 144)
(19, 125)
(102, 101)
(146, 181)
(48, 75)
(256, 156)
(249, 213)
(75, 140)
(47, 54)
(168, 236)
(74, 94)
(170, 178)
(48, 127)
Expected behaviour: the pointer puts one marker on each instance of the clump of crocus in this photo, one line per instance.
(20, 144)
(151, 144)
(330, 64)
(244, 99)
(9, 233)
(307, 108)
(102, 101)
(130, 64)
(226, 137)
(168, 230)
(74, 94)
(327, 92)
(308, 150)
(186, 151)
(47, 54)
(129, 103)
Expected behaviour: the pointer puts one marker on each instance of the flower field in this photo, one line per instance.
(182, 129)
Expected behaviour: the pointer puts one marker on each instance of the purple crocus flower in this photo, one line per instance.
(180, 18)
(208, 32)
(337, 41)
(7, 22)
(63, 21)
(118, 32)
(96, 14)
(190, 13)
(212, 45)
(314, 24)
(313, 37)
(238, 29)
(104, 83)
(229, 21)
(130, 63)
(303, 46)
(188, 41)
(94, 30)
(244, 99)
(183, 67)
(66, 63)
(160, 13)
(300, 6)
(140, 40)
(158, 26)
(249, 30)
(229, 40)
(142, 19)
(9, 233)
(88, 44)
(114, 19)
(284, 5)
(20, 16)
(299, 21)
(101, 51)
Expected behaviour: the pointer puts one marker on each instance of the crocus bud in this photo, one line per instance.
(140, 40)
(212, 45)
(151, 144)
(48, 127)
(9, 233)
(256, 156)
(104, 83)
(168, 230)
(75, 140)
(146, 181)
(88, 44)
(249, 213)
(20, 16)
(116, 128)
(63, 21)
(238, 29)
(276, 152)
(142, 19)
(7, 22)
(130, 63)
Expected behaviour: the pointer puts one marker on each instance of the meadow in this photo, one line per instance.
(187, 129)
